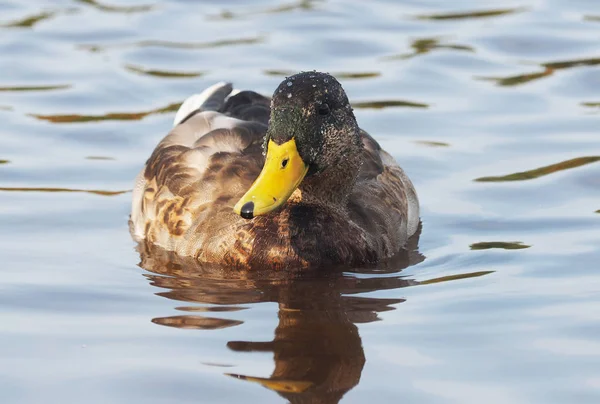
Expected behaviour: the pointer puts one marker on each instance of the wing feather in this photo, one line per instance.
(210, 157)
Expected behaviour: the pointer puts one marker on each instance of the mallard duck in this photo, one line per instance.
(250, 182)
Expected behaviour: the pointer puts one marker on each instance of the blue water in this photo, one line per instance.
(499, 302)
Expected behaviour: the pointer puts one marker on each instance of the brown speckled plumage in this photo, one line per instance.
(356, 205)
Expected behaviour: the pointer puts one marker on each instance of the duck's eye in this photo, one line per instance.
(284, 162)
(323, 109)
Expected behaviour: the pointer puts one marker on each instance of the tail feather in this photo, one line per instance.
(211, 99)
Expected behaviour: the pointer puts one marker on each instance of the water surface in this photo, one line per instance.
(494, 112)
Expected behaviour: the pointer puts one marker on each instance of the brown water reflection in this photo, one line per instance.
(155, 43)
(339, 75)
(283, 8)
(426, 45)
(472, 14)
(35, 88)
(549, 69)
(116, 9)
(542, 171)
(196, 322)
(387, 104)
(162, 73)
(110, 116)
(432, 143)
(28, 22)
(99, 158)
(520, 78)
(505, 245)
(317, 348)
(566, 64)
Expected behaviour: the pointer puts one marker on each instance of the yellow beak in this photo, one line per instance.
(283, 171)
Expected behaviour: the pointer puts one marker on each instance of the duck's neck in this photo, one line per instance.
(332, 186)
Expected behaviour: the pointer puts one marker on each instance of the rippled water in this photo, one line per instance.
(493, 110)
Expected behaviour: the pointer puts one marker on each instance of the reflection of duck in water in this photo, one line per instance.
(317, 348)
(340, 198)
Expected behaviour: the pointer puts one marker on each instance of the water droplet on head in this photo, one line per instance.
(314, 85)
(289, 83)
(326, 80)
(289, 95)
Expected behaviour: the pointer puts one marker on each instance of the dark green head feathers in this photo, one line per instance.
(313, 108)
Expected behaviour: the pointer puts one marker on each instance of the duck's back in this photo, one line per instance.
(183, 198)
(384, 202)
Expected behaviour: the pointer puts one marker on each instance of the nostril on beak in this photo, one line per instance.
(247, 211)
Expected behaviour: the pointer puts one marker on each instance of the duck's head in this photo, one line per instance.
(312, 132)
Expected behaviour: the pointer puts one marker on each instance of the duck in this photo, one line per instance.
(291, 181)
